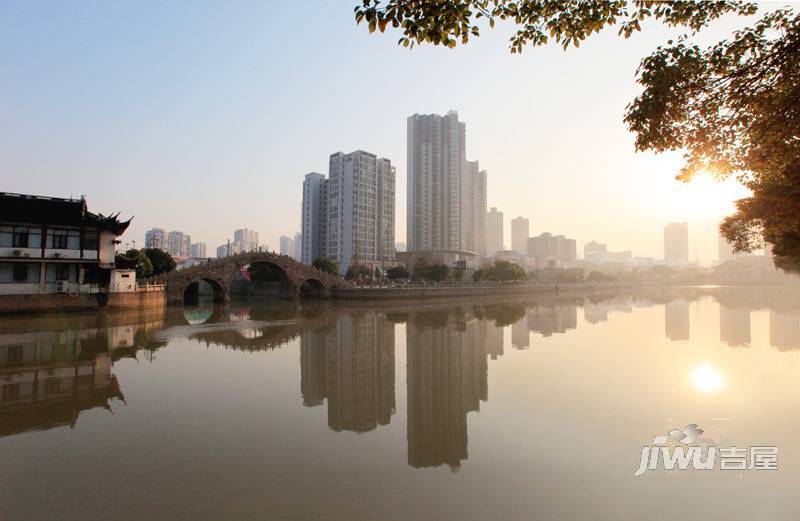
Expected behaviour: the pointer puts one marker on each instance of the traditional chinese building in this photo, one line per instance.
(51, 246)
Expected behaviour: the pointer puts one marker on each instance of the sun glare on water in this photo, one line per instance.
(707, 379)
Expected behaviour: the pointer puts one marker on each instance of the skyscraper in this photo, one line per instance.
(199, 250)
(286, 245)
(178, 244)
(520, 230)
(445, 193)
(297, 252)
(156, 238)
(474, 233)
(494, 232)
(246, 239)
(360, 210)
(315, 196)
(676, 242)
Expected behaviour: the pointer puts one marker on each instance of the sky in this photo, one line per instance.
(204, 117)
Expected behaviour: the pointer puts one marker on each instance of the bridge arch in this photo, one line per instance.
(290, 278)
(191, 292)
(268, 278)
(311, 288)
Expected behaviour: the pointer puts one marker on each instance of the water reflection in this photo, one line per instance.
(54, 368)
(351, 364)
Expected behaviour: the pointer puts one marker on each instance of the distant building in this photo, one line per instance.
(176, 243)
(314, 218)
(676, 242)
(297, 252)
(520, 230)
(494, 232)
(224, 250)
(474, 230)
(593, 249)
(596, 252)
(156, 238)
(446, 194)
(179, 244)
(399, 247)
(246, 240)
(360, 211)
(549, 247)
(198, 250)
(286, 245)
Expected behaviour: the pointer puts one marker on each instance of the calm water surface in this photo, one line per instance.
(512, 409)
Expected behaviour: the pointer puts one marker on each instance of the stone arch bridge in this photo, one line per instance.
(294, 279)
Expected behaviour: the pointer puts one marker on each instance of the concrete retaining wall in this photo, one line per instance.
(88, 301)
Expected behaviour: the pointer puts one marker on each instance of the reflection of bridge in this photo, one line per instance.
(291, 278)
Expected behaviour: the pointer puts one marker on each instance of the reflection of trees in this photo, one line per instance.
(504, 313)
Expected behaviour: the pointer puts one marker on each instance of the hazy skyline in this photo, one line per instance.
(204, 118)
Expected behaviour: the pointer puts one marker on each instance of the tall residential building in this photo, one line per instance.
(156, 238)
(676, 242)
(475, 230)
(547, 246)
(494, 232)
(520, 231)
(286, 245)
(441, 199)
(199, 250)
(297, 252)
(360, 210)
(247, 239)
(315, 195)
(178, 244)
(594, 249)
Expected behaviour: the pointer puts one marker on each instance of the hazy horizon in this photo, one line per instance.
(204, 118)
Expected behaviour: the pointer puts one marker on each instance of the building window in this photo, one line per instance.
(14, 355)
(20, 237)
(55, 272)
(64, 239)
(90, 239)
(20, 272)
(10, 392)
(52, 385)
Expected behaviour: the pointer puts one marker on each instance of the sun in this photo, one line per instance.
(703, 198)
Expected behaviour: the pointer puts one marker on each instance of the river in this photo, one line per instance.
(515, 409)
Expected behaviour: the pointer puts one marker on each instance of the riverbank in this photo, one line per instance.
(445, 292)
(36, 303)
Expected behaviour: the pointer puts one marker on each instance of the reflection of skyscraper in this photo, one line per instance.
(447, 377)
(360, 375)
(784, 329)
(494, 340)
(552, 318)
(734, 326)
(313, 368)
(519, 333)
(676, 320)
